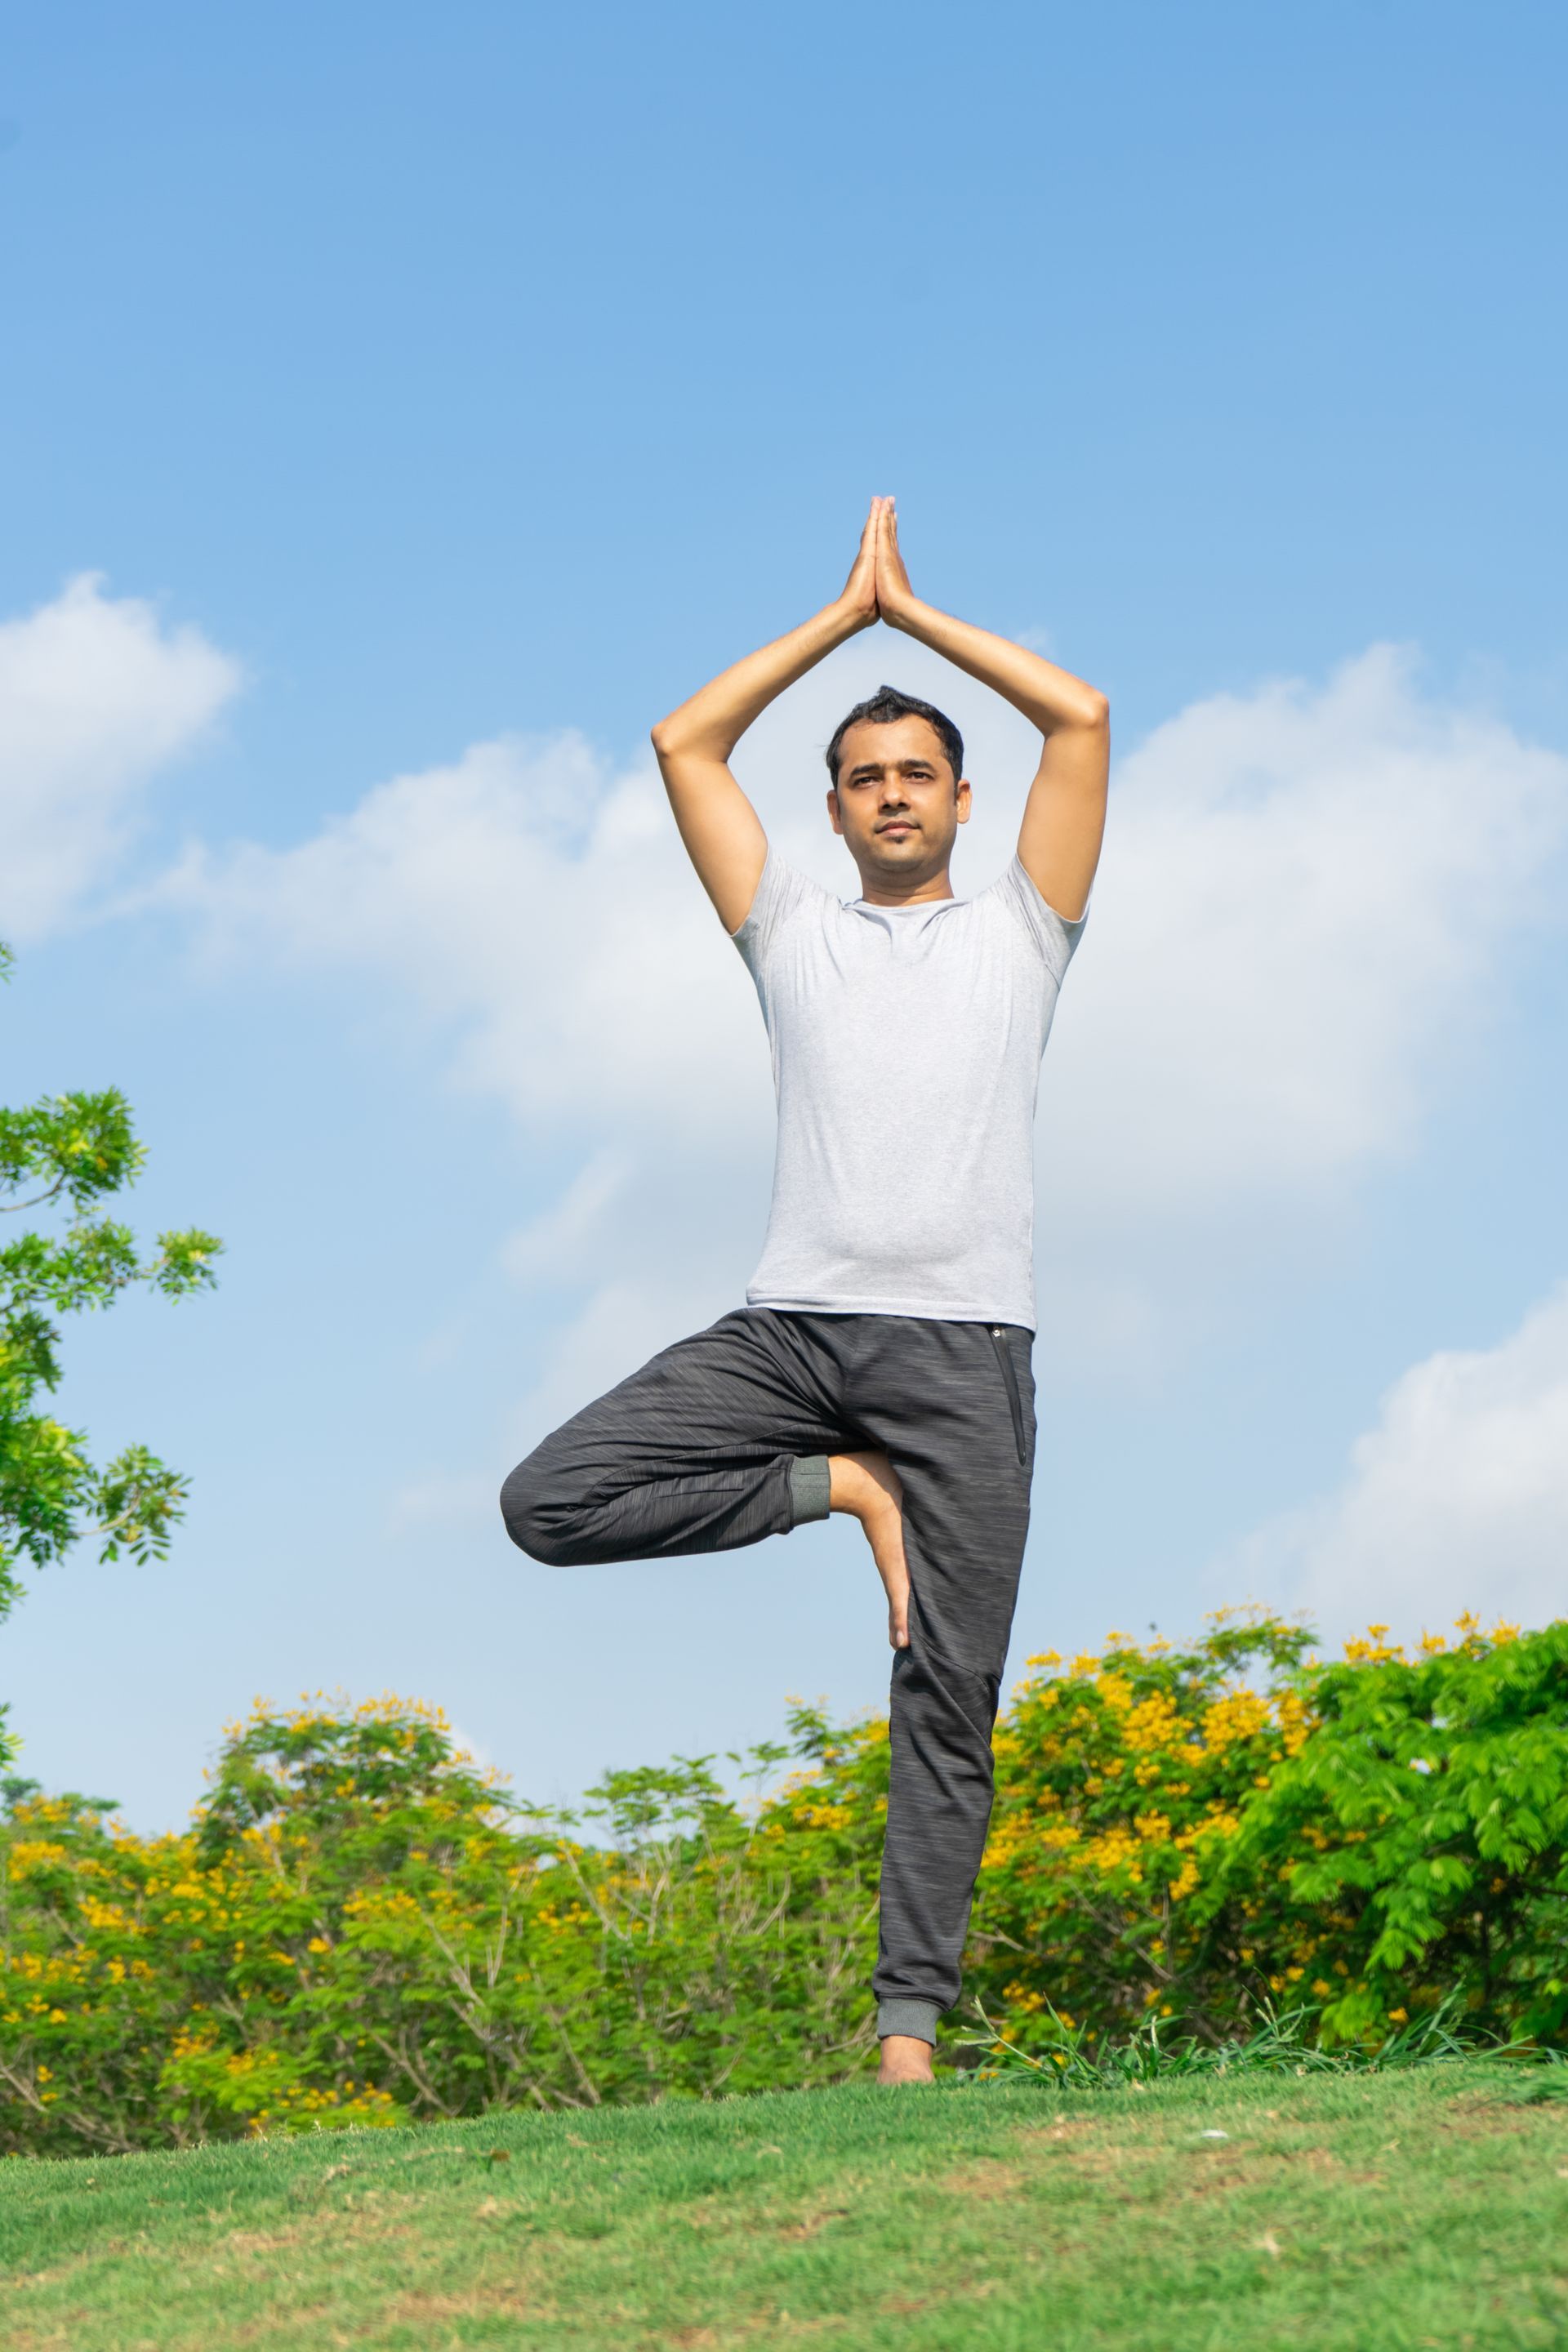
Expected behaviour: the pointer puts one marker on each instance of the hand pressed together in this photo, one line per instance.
(878, 588)
(859, 597)
(895, 598)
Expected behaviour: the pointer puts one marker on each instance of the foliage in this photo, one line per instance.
(1121, 1781)
(1185, 1871)
(361, 1924)
(70, 1154)
(1373, 1836)
(1418, 1839)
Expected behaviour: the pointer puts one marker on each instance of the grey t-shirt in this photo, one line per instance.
(906, 1046)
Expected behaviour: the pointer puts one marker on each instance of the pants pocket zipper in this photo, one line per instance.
(1009, 1373)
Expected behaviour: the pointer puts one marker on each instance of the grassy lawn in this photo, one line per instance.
(1421, 2208)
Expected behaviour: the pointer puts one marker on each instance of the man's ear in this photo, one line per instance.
(965, 799)
(833, 809)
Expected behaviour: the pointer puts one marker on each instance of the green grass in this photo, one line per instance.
(1369, 2212)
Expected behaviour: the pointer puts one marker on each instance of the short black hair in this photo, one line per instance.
(881, 710)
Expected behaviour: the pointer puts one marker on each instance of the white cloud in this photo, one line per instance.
(1304, 908)
(1299, 915)
(1457, 1499)
(95, 697)
(534, 903)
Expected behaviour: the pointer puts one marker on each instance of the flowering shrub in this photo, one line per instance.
(1368, 1838)
(1415, 1844)
(1122, 1781)
(361, 1925)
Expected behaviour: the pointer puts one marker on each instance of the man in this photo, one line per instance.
(881, 1365)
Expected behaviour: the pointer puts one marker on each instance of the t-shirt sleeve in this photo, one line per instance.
(782, 897)
(1048, 932)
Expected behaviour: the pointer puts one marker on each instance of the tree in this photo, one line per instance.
(71, 1154)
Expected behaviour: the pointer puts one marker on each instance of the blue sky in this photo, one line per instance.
(434, 400)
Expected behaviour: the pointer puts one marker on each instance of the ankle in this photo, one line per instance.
(905, 2059)
(848, 1485)
(863, 1486)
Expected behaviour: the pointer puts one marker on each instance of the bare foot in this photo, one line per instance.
(905, 2059)
(867, 1486)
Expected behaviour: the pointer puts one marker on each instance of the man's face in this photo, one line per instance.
(894, 802)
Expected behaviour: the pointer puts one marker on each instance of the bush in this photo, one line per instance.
(362, 1926)
(1122, 1782)
(1413, 1846)
(1374, 1837)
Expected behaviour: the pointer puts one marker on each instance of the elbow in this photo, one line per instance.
(677, 740)
(1096, 711)
(669, 738)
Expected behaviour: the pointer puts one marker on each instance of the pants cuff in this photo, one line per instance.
(913, 2017)
(809, 1488)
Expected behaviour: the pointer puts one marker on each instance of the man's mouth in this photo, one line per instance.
(896, 826)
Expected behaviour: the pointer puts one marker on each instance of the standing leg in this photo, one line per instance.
(717, 1441)
(952, 1404)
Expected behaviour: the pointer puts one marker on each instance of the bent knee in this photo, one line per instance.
(534, 1520)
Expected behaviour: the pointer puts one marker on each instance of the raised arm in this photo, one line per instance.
(722, 832)
(1064, 819)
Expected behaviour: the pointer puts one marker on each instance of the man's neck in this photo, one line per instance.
(920, 894)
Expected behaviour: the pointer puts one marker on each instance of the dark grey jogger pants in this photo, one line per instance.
(725, 1438)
